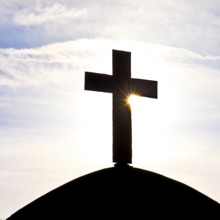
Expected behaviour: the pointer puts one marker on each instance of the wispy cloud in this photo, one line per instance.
(50, 14)
(193, 25)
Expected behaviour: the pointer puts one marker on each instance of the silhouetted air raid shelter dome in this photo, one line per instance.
(121, 192)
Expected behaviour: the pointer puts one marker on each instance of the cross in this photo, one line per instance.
(121, 85)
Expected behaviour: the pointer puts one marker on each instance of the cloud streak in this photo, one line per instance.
(52, 14)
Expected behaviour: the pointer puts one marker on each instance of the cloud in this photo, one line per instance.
(49, 73)
(26, 25)
(41, 15)
(36, 66)
(193, 25)
(188, 24)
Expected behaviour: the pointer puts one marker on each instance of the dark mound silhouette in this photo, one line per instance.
(121, 192)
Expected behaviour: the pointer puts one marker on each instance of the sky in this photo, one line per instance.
(53, 131)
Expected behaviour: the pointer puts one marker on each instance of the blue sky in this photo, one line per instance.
(49, 132)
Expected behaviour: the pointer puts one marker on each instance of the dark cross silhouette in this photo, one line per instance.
(121, 85)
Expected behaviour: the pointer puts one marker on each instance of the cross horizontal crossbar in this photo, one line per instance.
(108, 83)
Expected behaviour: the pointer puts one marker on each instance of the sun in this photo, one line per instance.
(132, 99)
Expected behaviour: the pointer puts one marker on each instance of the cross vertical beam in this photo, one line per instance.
(122, 137)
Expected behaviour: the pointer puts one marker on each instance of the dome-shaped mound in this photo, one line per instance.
(121, 192)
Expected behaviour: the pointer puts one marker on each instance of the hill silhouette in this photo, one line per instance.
(121, 192)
